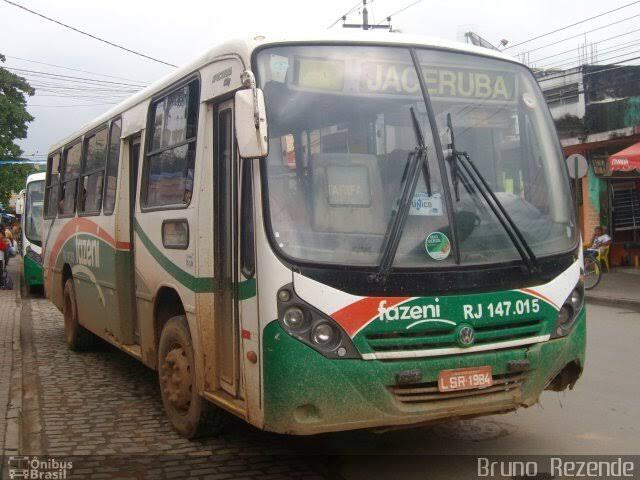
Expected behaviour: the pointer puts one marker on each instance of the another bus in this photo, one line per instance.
(31, 226)
(325, 233)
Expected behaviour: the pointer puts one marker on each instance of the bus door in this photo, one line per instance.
(134, 161)
(225, 237)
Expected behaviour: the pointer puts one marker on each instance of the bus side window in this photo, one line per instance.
(247, 252)
(69, 183)
(51, 195)
(91, 181)
(113, 160)
(169, 162)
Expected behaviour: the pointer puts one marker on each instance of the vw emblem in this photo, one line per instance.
(466, 336)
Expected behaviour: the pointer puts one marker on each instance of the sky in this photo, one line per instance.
(178, 31)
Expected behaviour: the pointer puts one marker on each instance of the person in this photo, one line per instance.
(17, 235)
(3, 260)
(11, 240)
(15, 229)
(599, 241)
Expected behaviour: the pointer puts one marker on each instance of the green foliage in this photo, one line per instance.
(13, 177)
(13, 112)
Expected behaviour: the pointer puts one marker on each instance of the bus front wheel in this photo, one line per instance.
(190, 415)
(78, 337)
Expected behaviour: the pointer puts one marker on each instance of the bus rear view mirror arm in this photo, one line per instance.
(250, 120)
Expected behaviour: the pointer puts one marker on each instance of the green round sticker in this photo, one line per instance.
(437, 245)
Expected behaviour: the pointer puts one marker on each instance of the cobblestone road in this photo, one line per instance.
(102, 411)
(105, 407)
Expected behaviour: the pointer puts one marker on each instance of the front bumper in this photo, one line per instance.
(306, 393)
(32, 272)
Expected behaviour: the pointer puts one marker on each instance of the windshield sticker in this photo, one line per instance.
(425, 205)
(279, 68)
(528, 100)
(438, 245)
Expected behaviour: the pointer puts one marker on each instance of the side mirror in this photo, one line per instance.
(251, 123)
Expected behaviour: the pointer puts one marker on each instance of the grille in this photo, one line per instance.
(428, 392)
(444, 337)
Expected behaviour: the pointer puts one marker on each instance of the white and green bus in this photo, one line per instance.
(31, 231)
(325, 233)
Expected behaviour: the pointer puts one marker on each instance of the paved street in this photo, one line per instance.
(107, 406)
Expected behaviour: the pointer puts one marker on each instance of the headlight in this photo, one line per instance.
(569, 312)
(324, 335)
(577, 297)
(294, 318)
(312, 327)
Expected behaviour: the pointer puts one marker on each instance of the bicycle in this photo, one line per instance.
(592, 272)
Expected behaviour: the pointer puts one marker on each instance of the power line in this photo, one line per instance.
(571, 50)
(74, 69)
(581, 34)
(614, 48)
(76, 84)
(70, 106)
(402, 10)
(94, 80)
(345, 14)
(89, 34)
(37, 83)
(568, 26)
(606, 59)
(546, 79)
(81, 93)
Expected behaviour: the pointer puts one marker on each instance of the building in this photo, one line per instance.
(596, 109)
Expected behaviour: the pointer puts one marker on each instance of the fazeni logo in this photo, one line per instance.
(404, 312)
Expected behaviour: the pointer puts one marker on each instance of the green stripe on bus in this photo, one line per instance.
(246, 288)
(197, 284)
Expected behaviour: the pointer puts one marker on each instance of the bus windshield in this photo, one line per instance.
(341, 138)
(33, 212)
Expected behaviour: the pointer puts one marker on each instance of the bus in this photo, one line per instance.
(325, 233)
(31, 231)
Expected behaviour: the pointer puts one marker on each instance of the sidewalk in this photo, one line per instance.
(620, 287)
(10, 311)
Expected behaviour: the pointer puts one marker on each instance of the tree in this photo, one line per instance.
(13, 125)
(13, 177)
(13, 111)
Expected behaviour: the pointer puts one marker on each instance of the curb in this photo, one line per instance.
(631, 304)
(13, 440)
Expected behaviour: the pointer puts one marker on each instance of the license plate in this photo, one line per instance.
(464, 379)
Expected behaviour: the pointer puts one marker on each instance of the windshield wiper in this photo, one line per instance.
(415, 159)
(474, 175)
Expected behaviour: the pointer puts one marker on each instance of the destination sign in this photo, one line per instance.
(451, 82)
(391, 78)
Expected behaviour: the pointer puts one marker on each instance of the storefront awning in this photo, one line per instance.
(626, 160)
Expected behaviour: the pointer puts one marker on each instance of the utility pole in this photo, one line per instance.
(365, 21)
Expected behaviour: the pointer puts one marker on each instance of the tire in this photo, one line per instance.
(78, 338)
(592, 273)
(190, 414)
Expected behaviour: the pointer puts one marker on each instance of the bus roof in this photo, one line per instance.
(34, 177)
(243, 48)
